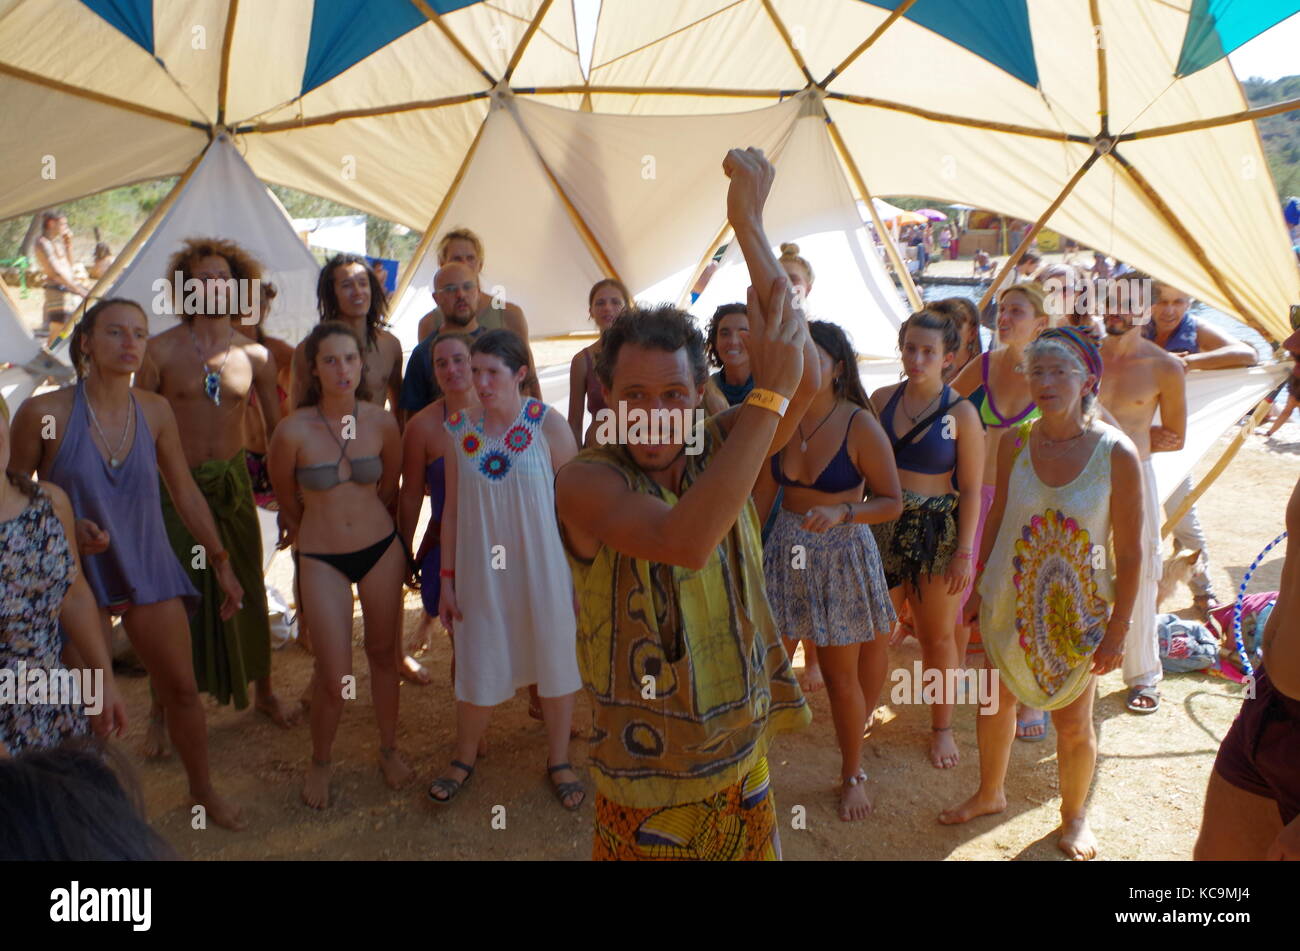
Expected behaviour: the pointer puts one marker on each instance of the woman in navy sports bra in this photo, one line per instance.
(999, 389)
(334, 465)
(822, 570)
(929, 551)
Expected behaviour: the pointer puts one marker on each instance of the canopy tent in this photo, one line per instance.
(387, 106)
(29, 363)
(812, 204)
(223, 198)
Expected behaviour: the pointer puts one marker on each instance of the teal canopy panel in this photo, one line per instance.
(994, 30)
(344, 32)
(1217, 27)
(132, 18)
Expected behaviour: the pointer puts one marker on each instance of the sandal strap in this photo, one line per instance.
(469, 770)
(559, 766)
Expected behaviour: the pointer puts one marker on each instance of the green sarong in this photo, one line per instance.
(229, 654)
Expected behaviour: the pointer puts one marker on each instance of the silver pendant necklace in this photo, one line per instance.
(114, 455)
(212, 378)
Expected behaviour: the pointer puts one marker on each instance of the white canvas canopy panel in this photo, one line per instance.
(29, 362)
(1216, 399)
(224, 199)
(812, 206)
(1143, 137)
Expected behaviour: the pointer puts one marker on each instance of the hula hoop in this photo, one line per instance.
(1246, 666)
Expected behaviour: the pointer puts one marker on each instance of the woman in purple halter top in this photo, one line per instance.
(423, 470)
(111, 443)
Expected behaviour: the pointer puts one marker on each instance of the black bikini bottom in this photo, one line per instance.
(355, 565)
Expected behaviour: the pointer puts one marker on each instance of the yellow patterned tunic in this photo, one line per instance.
(687, 675)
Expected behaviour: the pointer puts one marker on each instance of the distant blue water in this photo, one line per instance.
(1215, 318)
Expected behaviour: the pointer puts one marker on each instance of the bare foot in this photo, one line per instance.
(943, 748)
(413, 672)
(855, 804)
(272, 707)
(155, 739)
(976, 805)
(221, 811)
(1077, 840)
(812, 679)
(316, 786)
(396, 773)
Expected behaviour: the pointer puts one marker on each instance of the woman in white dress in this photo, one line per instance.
(507, 594)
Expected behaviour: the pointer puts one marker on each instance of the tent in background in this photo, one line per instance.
(29, 362)
(224, 199)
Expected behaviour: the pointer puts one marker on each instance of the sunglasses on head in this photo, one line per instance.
(1295, 316)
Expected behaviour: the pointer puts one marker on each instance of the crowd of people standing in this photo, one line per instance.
(997, 503)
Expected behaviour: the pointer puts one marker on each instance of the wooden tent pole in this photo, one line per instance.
(224, 83)
(1246, 115)
(896, 258)
(1103, 83)
(1216, 470)
(37, 80)
(1192, 244)
(789, 43)
(523, 40)
(584, 230)
(139, 238)
(866, 44)
(1014, 258)
(1008, 127)
(716, 243)
(434, 17)
(653, 91)
(426, 239)
(290, 125)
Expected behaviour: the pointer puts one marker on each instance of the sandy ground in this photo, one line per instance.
(1146, 799)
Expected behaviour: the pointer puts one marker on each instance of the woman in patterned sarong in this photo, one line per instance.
(1057, 577)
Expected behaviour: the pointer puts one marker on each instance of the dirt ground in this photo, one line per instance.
(1146, 799)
